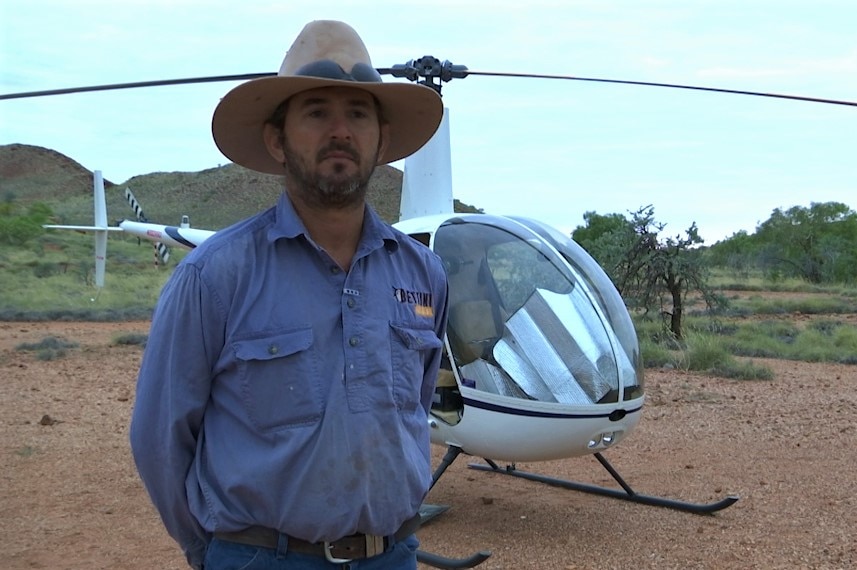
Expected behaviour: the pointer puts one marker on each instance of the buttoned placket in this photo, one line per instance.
(351, 307)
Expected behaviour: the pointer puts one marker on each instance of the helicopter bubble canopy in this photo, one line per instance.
(533, 317)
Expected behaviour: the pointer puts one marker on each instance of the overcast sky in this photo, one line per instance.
(542, 148)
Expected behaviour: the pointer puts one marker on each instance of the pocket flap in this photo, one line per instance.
(417, 339)
(274, 346)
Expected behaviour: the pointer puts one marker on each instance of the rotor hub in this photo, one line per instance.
(429, 71)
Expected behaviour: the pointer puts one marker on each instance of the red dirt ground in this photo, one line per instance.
(70, 497)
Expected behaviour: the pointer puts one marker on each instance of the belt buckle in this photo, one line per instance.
(329, 557)
(374, 546)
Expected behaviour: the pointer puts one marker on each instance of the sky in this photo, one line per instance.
(543, 148)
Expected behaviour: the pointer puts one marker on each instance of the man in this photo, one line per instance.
(281, 410)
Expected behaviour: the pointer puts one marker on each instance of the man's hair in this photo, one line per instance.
(278, 117)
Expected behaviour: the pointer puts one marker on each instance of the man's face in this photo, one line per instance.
(330, 145)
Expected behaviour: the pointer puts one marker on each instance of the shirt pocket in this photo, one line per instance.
(410, 351)
(278, 379)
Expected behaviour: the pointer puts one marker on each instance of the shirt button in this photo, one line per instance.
(334, 269)
(353, 341)
(273, 349)
(351, 303)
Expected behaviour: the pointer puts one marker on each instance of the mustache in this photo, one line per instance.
(338, 147)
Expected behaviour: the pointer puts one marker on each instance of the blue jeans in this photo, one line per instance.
(222, 555)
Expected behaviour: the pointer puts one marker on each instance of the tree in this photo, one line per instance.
(608, 239)
(650, 273)
(818, 243)
(739, 252)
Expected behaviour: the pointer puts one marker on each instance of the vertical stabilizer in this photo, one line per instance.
(427, 182)
(101, 227)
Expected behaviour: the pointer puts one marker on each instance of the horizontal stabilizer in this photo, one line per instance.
(85, 228)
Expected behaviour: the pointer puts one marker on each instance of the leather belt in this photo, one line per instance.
(352, 547)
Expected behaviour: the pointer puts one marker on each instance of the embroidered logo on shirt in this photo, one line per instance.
(421, 301)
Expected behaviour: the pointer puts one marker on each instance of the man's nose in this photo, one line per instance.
(339, 127)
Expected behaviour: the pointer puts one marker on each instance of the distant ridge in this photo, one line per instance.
(32, 173)
(213, 198)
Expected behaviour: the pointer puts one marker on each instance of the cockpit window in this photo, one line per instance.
(519, 268)
(522, 324)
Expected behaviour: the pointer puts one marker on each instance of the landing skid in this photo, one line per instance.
(429, 512)
(626, 493)
(443, 563)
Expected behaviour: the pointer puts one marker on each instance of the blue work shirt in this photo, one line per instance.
(278, 390)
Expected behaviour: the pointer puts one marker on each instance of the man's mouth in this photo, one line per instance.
(338, 153)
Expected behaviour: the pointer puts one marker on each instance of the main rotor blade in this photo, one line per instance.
(668, 85)
(387, 71)
(160, 82)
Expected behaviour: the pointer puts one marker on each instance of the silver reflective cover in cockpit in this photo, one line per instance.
(482, 375)
(557, 349)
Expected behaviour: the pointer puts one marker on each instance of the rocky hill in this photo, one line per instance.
(32, 173)
(213, 198)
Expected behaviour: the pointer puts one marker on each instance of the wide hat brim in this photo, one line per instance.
(413, 113)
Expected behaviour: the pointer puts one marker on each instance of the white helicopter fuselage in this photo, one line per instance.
(548, 374)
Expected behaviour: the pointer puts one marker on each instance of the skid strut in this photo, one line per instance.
(626, 493)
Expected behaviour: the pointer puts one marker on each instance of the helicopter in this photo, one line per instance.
(542, 358)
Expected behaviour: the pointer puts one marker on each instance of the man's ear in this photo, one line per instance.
(273, 138)
(383, 141)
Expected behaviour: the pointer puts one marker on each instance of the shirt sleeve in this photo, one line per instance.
(172, 391)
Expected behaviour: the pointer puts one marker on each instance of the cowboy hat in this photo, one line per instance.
(325, 54)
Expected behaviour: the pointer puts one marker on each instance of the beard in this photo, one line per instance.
(334, 190)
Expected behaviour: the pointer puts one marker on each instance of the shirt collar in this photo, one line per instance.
(288, 225)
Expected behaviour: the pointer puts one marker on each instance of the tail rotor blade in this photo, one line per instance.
(135, 205)
(163, 252)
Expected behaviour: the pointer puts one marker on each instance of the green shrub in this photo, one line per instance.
(814, 346)
(705, 352)
(654, 355)
(49, 348)
(136, 339)
(743, 371)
